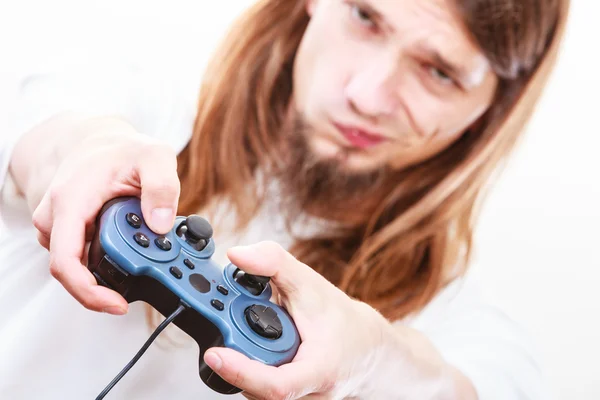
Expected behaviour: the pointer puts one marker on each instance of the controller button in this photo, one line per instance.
(163, 243)
(141, 239)
(189, 264)
(264, 321)
(223, 290)
(217, 304)
(255, 284)
(200, 283)
(196, 231)
(176, 272)
(134, 220)
(198, 228)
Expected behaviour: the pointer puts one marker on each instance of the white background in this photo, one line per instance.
(537, 242)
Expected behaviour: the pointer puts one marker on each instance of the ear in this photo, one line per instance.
(310, 6)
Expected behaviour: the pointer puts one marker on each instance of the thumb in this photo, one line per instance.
(270, 259)
(160, 185)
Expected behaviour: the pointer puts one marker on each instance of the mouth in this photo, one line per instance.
(358, 137)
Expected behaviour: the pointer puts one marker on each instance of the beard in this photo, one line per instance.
(324, 186)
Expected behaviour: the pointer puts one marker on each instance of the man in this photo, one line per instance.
(367, 129)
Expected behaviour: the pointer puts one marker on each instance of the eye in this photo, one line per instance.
(362, 16)
(440, 76)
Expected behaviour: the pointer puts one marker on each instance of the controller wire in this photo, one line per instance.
(157, 331)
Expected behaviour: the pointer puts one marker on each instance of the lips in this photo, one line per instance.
(360, 138)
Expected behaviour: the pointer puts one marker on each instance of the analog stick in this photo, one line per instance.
(255, 284)
(196, 230)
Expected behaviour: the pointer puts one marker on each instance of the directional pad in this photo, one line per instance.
(264, 321)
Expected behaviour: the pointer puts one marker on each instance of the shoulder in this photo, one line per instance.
(158, 100)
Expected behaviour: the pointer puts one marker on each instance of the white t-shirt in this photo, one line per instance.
(53, 348)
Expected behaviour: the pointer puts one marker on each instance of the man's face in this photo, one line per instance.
(387, 83)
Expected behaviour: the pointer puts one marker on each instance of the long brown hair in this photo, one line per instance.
(420, 227)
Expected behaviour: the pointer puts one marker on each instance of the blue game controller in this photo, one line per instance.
(226, 307)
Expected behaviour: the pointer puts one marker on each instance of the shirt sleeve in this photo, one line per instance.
(481, 341)
(159, 103)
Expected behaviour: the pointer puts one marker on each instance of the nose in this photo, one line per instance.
(371, 91)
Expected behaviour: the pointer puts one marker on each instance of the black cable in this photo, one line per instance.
(154, 335)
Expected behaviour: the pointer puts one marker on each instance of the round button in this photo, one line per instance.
(141, 239)
(163, 243)
(196, 231)
(197, 228)
(264, 321)
(134, 220)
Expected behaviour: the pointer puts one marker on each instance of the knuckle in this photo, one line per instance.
(329, 381)
(275, 251)
(55, 194)
(279, 392)
(154, 149)
(87, 302)
(238, 379)
(43, 240)
(37, 219)
(167, 186)
(163, 189)
(55, 267)
(271, 246)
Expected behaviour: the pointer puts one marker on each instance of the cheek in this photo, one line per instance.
(443, 122)
(400, 157)
(322, 67)
(421, 113)
(445, 119)
(320, 86)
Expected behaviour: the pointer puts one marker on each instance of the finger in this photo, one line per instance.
(66, 252)
(291, 381)
(90, 231)
(157, 171)
(318, 396)
(43, 239)
(42, 220)
(274, 295)
(270, 259)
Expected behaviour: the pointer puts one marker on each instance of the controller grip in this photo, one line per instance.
(214, 381)
(206, 335)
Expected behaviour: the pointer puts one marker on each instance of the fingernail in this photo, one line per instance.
(114, 310)
(162, 218)
(213, 361)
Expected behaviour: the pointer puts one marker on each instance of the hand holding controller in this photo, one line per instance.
(225, 306)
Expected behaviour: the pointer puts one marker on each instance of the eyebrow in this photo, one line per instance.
(456, 71)
(376, 15)
(449, 67)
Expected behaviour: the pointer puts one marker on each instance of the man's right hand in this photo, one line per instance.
(105, 164)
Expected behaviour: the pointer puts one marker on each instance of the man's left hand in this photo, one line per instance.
(341, 337)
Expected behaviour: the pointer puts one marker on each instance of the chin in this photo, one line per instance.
(358, 163)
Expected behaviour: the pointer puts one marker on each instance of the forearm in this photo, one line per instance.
(39, 152)
(406, 359)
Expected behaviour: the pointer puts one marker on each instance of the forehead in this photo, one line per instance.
(434, 20)
(429, 26)
(438, 17)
